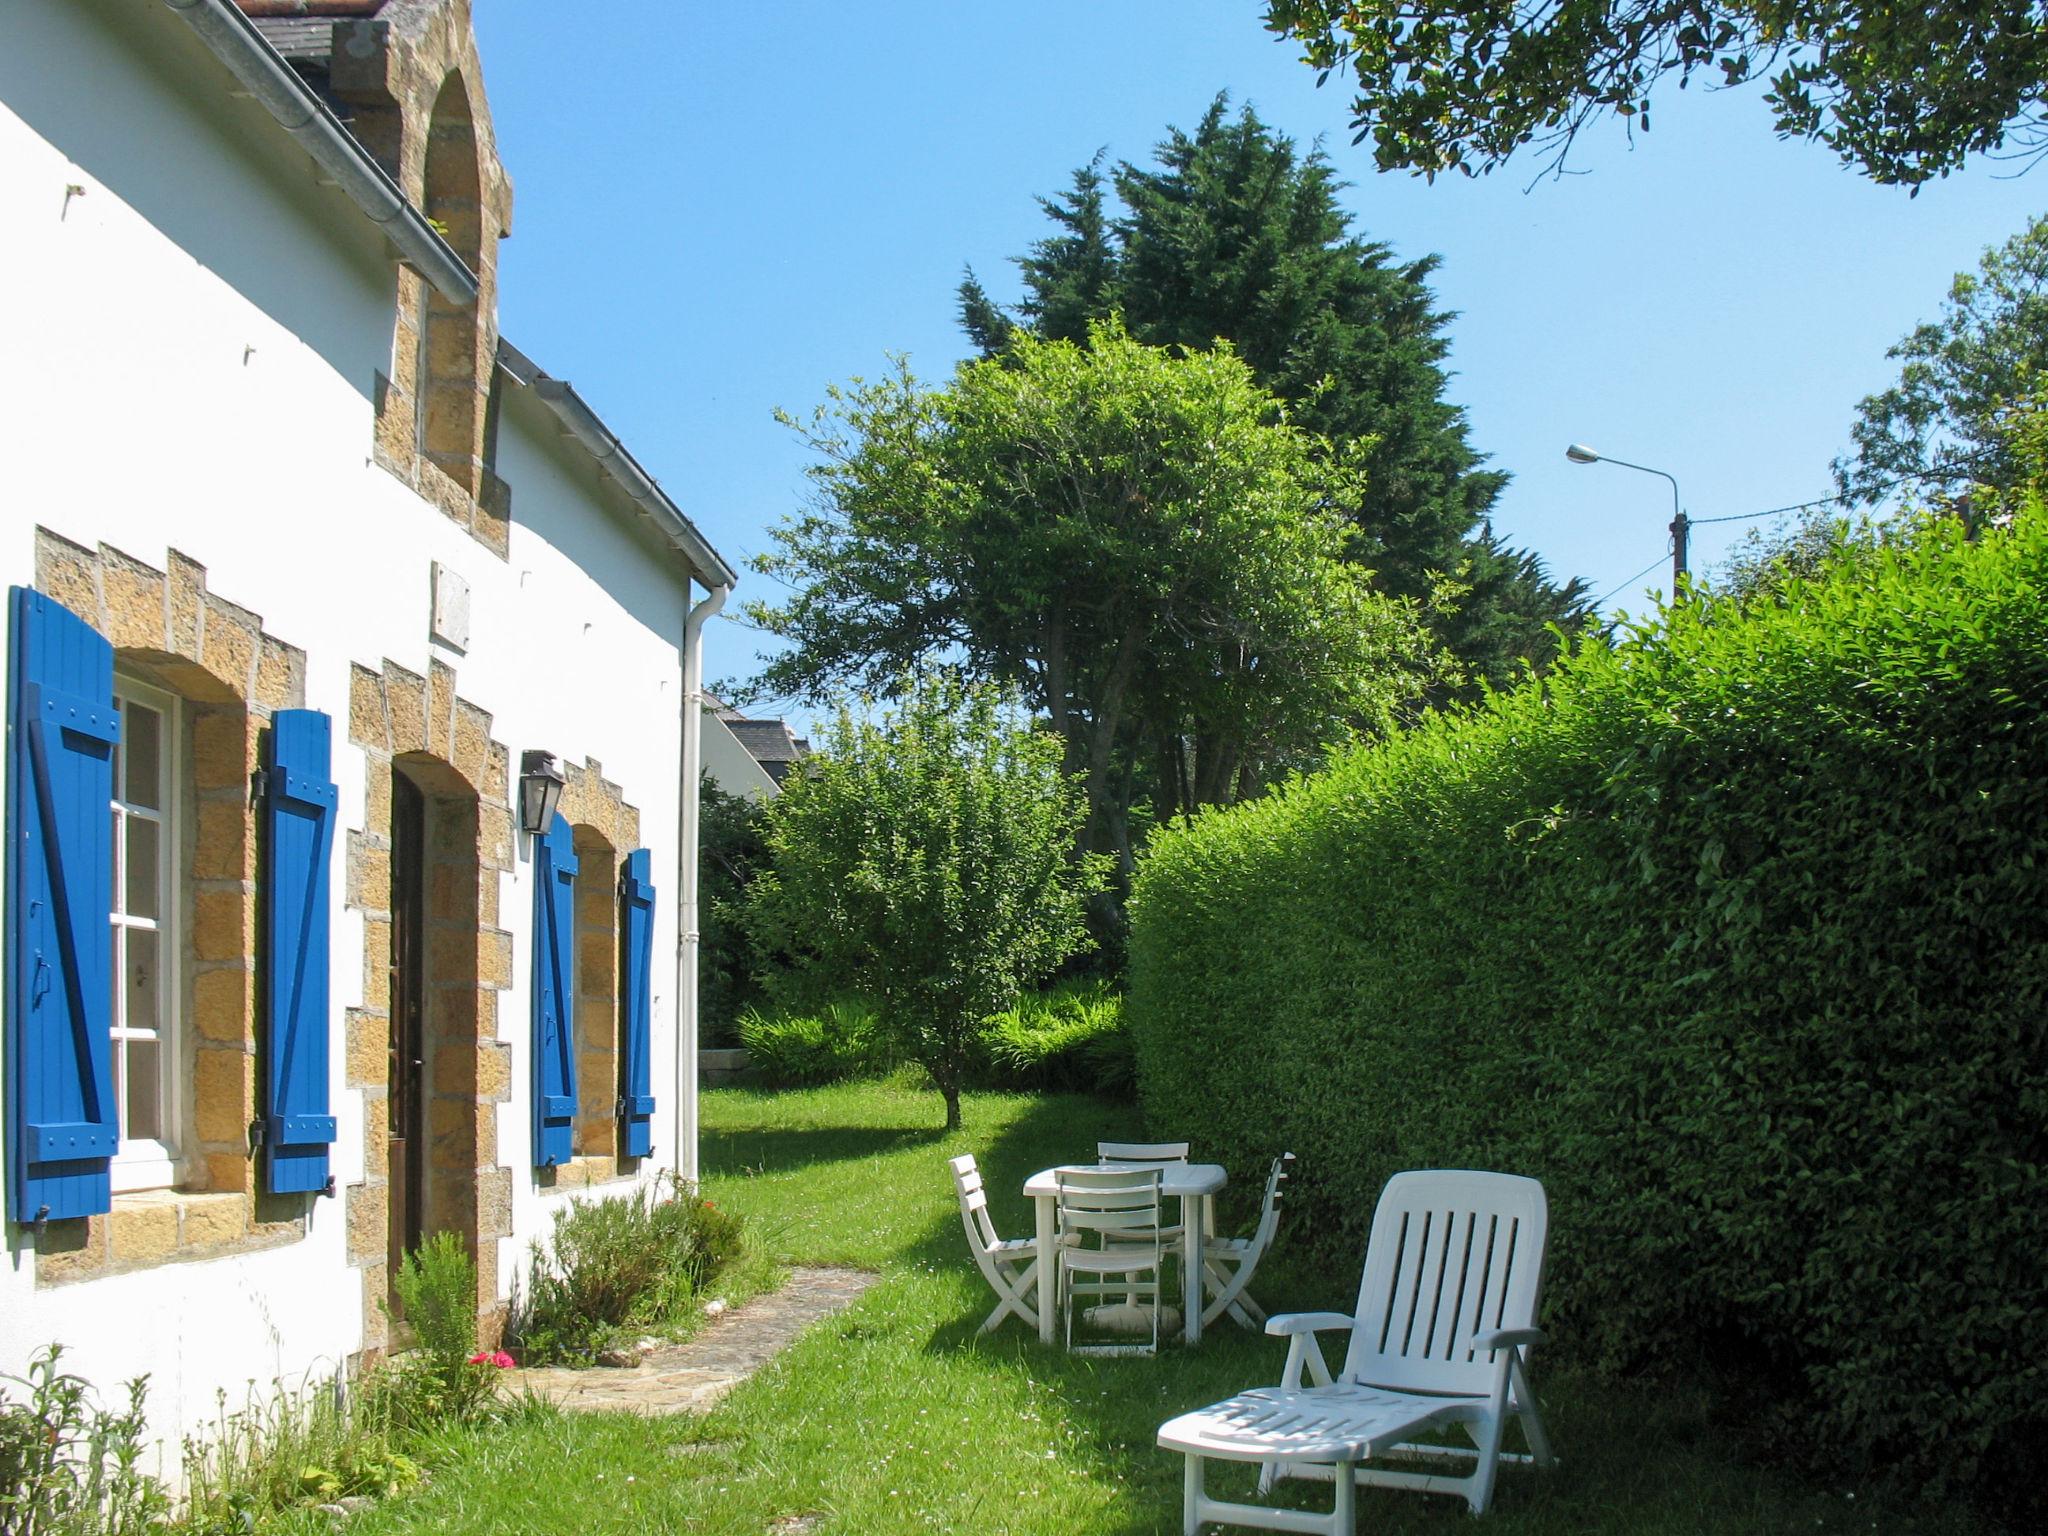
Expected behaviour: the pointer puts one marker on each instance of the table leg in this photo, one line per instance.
(1192, 1286)
(1048, 1278)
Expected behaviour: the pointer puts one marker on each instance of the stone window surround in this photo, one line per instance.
(606, 827)
(229, 676)
(391, 73)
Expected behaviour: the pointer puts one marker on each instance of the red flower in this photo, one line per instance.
(497, 1357)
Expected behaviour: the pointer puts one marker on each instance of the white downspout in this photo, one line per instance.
(686, 883)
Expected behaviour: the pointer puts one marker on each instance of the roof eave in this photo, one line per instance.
(236, 41)
(613, 458)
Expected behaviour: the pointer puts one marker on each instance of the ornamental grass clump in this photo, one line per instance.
(802, 1047)
(1069, 1038)
(615, 1267)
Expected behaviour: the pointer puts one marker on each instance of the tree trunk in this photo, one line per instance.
(952, 1108)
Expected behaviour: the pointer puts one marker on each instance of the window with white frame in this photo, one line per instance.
(145, 910)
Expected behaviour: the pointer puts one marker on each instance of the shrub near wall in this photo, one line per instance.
(1734, 935)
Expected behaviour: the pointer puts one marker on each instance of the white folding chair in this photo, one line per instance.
(1440, 1336)
(1010, 1266)
(1146, 1154)
(1118, 1208)
(1230, 1261)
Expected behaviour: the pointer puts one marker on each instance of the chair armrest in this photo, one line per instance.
(1287, 1324)
(1507, 1338)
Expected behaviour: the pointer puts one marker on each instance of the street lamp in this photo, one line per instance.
(1579, 453)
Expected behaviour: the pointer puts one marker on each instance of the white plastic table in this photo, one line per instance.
(1185, 1182)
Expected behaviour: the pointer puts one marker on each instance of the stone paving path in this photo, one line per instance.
(690, 1377)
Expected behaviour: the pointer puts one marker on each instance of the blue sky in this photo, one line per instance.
(722, 209)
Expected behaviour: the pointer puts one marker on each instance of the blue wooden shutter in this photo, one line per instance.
(554, 996)
(636, 1005)
(298, 819)
(62, 727)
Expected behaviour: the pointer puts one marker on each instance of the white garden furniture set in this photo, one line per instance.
(1439, 1337)
(1102, 1233)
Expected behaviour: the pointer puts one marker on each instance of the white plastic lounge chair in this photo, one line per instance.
(1011, 1266)
(1445, 1312)
(1230, 1261)
(1119, 1209)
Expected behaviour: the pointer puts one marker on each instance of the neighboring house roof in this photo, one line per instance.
(771, 743)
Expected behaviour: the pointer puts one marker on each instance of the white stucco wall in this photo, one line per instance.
(190, 342)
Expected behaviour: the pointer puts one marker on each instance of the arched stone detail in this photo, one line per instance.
(589, 799)
(229, 675)
(401, 719)
(606, 828)
(414, 87)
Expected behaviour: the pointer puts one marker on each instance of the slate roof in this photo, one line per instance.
(771, 743)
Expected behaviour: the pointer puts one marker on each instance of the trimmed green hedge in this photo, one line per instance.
(1735, 933)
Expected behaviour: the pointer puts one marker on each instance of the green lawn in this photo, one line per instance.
(897, 1417)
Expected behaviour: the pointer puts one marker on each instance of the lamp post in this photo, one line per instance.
(1579, 453)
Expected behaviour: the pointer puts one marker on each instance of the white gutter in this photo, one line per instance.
(687, 931)
(233, 39)
(613, 459)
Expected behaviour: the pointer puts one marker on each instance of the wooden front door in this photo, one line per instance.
(407, 1102)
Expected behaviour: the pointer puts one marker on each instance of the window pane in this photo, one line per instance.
(145, 1089)
(141, 893)
(143, 982)
(142, 744)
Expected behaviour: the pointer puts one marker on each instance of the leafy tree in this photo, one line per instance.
(924, 862)
(730, 852)
(1944, 424)
(1234, 234)
(1136, 541)
(1903, 93)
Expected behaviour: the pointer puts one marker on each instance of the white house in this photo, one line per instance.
(309, 567)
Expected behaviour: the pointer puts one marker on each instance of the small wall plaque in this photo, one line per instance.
(450, 625)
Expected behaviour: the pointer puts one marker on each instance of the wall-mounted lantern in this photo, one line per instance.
(540, 791)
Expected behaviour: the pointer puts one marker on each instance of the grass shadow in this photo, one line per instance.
(757, 1151)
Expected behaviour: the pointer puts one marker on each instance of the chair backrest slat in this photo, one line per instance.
(981, 1231)
(1141, 1153)
(1269, 1208)
(1451, 1253)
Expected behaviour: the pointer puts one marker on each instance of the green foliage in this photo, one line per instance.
(1067, 1039)
(1947, 424)
(1733, 934)
(798, 1047)
(1232, 233)
(68, 1466)
(729, 840)
(613, 1267)
(926, 862)
(440, 1379)
(1760, 563)
(293, 1449)
(1136, 542)
(1902, 94)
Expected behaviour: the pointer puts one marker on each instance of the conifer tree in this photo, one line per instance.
(1234, 234)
